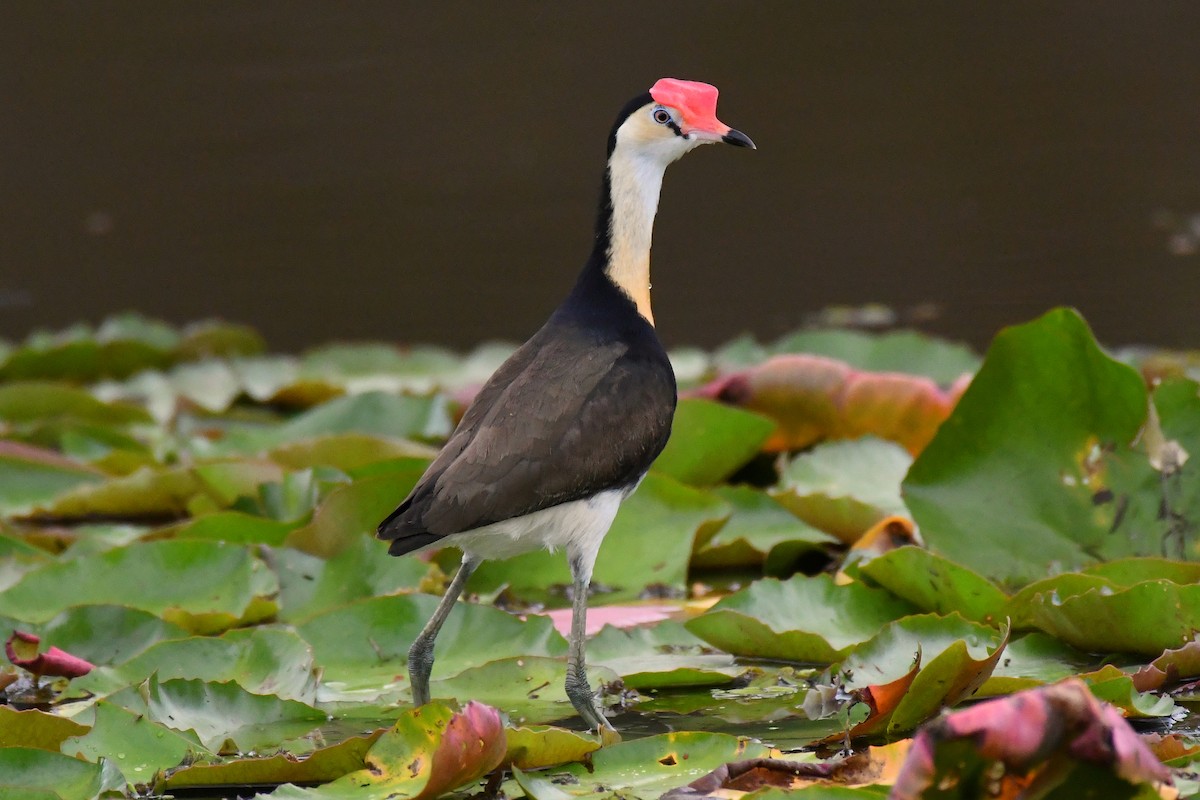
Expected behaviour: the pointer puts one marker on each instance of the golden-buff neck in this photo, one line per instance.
(635, 182)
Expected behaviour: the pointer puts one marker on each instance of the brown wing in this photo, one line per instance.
(566, 417)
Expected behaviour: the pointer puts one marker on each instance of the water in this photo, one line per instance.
(428, 172)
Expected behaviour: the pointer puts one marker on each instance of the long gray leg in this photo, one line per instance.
(578, 689)
(420, 654)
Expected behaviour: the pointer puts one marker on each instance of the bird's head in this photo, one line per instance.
(674, 117)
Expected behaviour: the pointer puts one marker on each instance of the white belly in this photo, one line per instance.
(578, 527)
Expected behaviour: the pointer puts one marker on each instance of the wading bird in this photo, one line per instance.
(567, 427)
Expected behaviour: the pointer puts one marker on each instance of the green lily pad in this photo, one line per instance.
(1033, 660)
(320, 766)
(529, 689)
(350, 513)
(137, 745)
(1023, 605)
(363, 647)
(662, 656)
(1146, 618)
(26, 772)
(106, 634)
(261, 660)
(218, 339)
(1015, 479)
(211, 385)
(760, 530)
(347, 451)
(956, 657)
(17, 558)
(641, 768)
(36, 729)
(1114, 686)
(1128, 571)
(709, 441)
(31, 476)
(201, 585)
(371, 413)
(648, 546)
(38, 401)
(233, 527)
(545, 746)
(804, 619)
(156, 492)
(430, 751)
(220, 712)
(845, 487)
(311, 585)
(933, 583)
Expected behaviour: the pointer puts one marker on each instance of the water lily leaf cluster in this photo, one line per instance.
(847, 535)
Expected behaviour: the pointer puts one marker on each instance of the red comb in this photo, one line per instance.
(696, 101)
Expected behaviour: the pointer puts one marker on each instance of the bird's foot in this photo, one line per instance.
(579, 691)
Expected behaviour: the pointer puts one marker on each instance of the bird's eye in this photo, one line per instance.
(662, 116)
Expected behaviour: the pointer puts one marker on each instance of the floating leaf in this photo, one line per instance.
(528, 689)
(956, 657)
(41, 402)
(350, 513)
(260, 660)
(26, 772)
(34, 728)
(1146, 618)
(311, 585)
(372, 413)
(1016, 478)
(641, 768)
(347, 451)
(802, 619)
(104, 634)
(666, 655)
(320, 766)
(30, 476)
(544, 746)
(933, 583)
(710, 441)
(1032, 660)
(138, 746)
(845, 487)
(217, 712)
(204, 584)
(429, 752)
(363, 647)
(148, 492)
(759, 530)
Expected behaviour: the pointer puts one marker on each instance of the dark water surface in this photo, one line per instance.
(428, 171)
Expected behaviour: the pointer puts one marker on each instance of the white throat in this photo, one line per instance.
(635, 182)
